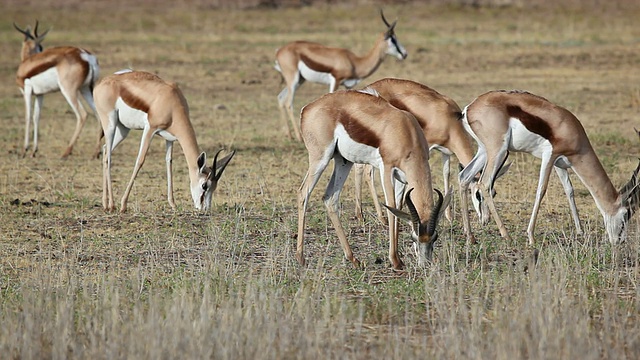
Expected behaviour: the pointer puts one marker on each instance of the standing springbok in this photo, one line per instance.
(139, 100)
(440, 119)
(503, 121)
(356, 127)
(72, 71)
(302, 60)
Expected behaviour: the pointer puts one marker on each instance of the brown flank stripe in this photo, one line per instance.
(531, 122)
(313, 65)
(359, 132)
(134, 101)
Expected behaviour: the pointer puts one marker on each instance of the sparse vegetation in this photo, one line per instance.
(76, 282)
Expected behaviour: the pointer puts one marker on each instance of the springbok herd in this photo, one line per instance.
(391, 125)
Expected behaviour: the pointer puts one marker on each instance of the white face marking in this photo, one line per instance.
(393, 51)
(314, 76)
(45, 82)
(354, 151)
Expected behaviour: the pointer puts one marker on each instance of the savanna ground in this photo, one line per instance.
(76, 282)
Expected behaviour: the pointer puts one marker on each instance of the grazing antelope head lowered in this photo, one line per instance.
(424, 233)
(503, 121)
(143, 101)
(362, 128)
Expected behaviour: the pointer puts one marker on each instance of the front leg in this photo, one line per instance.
(168, 160)
(386, 177)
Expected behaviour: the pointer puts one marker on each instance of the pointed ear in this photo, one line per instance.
(445, 202)
(399, 213)
(397, 176)
(503, 170)
(202, 161)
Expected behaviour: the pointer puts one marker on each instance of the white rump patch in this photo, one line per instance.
(370, 91)
(123, 71)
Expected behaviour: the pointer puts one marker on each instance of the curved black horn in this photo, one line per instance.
(384, 19)
(26, 33)
(222, 165)
(435, 213)
(415, 218)
(35, 29)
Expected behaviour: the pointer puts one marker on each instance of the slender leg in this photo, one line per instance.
(372, 189)
(563, 174)
(147, 135)
(389, 189)
(81, 117)
(332, 199)
(37, 106)
(446, 174)
(466, 177)
(27, 122)
(317, 164)
(168, 159)
(487, 179)
(543, 182)
(359, 170)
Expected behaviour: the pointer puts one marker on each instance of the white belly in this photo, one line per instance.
(131, 118)
(356, 152)
(137, 120)
(526, 141)
(43, 83)
(314, 76)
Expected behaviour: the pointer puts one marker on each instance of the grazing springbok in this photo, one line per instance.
(302, 60)
(72, 71)
(503, 121)
(357, 127)
(440, 119)
(139, 100)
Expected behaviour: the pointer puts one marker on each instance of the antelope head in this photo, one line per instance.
(207, 180)
(629, 201)
(424, 234)
(32, 43)
(479, 204)
(394, 48)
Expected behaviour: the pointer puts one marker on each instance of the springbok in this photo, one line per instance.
(72, 71)
(303, 60)
(139, 100)
(357, 127)
(440, 119)
(503, 121)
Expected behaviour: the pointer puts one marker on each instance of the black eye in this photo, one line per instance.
(478, 196)
(204, 186)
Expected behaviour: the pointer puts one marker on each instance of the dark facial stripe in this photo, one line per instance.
(133, 101)
(531, 122)
(314, 65)
(358, 131)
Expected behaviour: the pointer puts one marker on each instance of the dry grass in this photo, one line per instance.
(76, 282)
